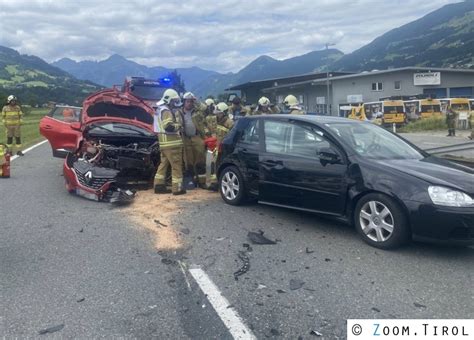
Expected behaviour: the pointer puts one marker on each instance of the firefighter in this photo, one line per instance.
(210, 106)
(451, 116)
(293, 106)
(224, 123)
(169, 125)
(194, 132)
(236, 110)
(264, 107)
(12, 118)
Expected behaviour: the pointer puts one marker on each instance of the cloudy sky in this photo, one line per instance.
(220, 35)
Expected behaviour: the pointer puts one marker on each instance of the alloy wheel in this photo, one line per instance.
(230, 185)
(376, 221)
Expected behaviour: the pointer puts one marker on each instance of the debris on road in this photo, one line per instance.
(167, 261)
(419, 305)
(82, 230)
(274, 332)
(159, 223)
(260, 286)
(258, 238)
(185, 231)
(50, 330)
(220, 239)
(376, 309)
(327, 260)
(281, 291)
(246, 245)
(315, 333)
(296, 284)
(308, 251)
(245, 267)
(81, 300)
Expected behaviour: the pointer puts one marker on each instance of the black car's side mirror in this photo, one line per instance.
(328, 156)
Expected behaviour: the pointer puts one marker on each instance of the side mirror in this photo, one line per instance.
(328, 156)
(76, 126)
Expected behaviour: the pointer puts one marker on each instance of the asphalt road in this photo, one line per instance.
(57, 249)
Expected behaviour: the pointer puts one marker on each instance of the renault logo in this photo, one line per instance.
(88, 176)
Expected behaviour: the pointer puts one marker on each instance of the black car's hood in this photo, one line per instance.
(436, 171)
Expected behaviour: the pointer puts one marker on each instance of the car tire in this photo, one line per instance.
(381, 222)
(231, 186)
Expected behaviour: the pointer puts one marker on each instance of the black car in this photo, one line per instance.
(388, 188)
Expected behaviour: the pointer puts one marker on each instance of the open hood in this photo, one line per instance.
(113, 105)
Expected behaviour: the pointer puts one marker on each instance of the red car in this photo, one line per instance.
(110, 150)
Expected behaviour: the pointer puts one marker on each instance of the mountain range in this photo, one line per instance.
(442, 38)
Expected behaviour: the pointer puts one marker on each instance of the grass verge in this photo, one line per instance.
(425, 124)
(29, 130)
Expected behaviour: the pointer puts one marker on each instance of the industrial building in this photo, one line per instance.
(315, 91)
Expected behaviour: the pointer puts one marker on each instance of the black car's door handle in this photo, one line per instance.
(272, 163)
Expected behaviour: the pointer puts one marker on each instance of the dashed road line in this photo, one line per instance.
(228, 315)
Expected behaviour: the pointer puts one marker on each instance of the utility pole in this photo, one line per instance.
(327, 81)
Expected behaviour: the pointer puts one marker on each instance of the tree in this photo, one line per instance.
(176, 81)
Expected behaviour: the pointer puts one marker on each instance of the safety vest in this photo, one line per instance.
(11, 115)
(163, 118)
(296, 110)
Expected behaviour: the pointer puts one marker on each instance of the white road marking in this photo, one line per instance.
(228, 315)
(29, 149)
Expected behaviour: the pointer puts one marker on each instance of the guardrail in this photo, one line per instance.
(446, 153)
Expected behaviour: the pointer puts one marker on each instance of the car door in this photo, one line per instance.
(292, 173)
(248, 148)
(61, 130)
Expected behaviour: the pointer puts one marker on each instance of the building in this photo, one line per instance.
(345, 89)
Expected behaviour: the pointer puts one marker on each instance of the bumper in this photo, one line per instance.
(102, 191)
(438, 224)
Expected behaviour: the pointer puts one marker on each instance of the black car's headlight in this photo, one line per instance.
(449, 197)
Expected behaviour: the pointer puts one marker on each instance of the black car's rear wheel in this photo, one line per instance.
(231, 186)
(381, 222)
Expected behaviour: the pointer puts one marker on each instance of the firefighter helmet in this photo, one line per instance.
(290, 100)
(11, 98)
(221, 107)
(189, 95)
(170, 96)
(264, 101)
(209, 102)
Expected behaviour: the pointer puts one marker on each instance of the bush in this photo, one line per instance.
(425, 124)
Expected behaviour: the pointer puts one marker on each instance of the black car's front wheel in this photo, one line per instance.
(381, 222)
(231, 186)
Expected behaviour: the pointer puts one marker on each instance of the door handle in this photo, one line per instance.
(48, 127)
(272, 163)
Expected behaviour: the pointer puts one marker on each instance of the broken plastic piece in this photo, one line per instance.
(51, 329)
(245, 267)
(258, 238)
(296, 284)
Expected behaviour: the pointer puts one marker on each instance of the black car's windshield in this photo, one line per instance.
(148, 92)
(374, 142)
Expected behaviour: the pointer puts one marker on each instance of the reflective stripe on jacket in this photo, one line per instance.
(11, 115)
(163, 120)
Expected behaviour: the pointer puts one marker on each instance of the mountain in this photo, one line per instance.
(34, 81)
(114, 69)
(442, 38)
(265, 67)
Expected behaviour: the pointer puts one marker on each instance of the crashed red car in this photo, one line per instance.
(111, 150)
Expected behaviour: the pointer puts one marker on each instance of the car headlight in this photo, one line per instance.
(449, 198)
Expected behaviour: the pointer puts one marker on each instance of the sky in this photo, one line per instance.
(220, 35)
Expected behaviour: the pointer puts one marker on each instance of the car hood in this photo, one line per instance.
(436, 171)
(113, 105)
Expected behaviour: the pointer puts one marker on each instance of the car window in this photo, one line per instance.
(293, 139)
(250, 133)
(66, 114)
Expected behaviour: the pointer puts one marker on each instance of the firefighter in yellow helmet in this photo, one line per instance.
(194, 132)
(12, 118)
(169, 126)
(293, 105)
(264, 107)
(224, 123)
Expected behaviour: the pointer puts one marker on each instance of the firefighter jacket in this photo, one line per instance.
(168, 125)
(12, 115)
(198, 118)
(223, 127)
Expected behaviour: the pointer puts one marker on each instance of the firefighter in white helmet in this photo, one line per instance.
(194, 132)
(293, 105)
(12, 119)
(265, 107)
(169, 125)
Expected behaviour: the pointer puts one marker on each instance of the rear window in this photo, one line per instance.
(393, 109)
(148, 92)
(120, 111)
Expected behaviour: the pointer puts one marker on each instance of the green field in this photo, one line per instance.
(30, 128)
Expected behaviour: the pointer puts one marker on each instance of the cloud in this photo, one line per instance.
(222, 36)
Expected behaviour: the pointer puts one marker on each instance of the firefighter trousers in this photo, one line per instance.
(173, 157)
(195, 157)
